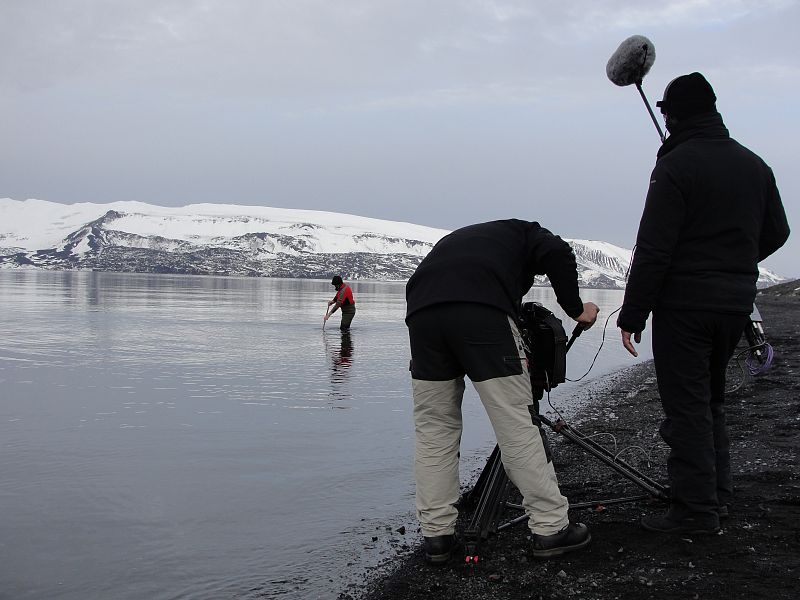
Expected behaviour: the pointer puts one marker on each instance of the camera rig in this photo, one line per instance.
(546, 347)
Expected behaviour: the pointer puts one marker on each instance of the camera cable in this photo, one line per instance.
(602, 341)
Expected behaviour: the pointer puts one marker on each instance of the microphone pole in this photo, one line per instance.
(650, 110)
(629, 64)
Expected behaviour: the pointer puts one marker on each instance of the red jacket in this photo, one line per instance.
(344, 296)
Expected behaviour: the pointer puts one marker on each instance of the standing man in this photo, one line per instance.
(463, 304)
(712, 213)
(342, 299)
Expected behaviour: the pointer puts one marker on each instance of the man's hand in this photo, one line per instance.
(589, 315)
(626, 341)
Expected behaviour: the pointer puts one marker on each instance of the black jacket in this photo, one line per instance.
(712, 213)
(494, 263)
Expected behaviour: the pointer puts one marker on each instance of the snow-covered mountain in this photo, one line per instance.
(225, 239)
(213, 239)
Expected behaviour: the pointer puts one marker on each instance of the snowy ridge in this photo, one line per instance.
(226, 239)
(601, 264)
(36, 224)
(218, 239)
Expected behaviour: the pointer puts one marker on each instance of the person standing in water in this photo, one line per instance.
(344, 300)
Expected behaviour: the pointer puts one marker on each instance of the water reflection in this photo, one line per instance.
(189, 422)
(339, 349)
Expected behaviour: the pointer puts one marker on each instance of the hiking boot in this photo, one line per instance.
(573, 537)
(687, 525)
(723, 511)
(439, 549)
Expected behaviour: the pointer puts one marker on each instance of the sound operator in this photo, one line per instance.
(712, 213)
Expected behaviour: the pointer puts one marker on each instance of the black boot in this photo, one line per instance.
(687, 525)
(439, 549)
(573, 537)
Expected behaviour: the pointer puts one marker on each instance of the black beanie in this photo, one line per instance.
(688, 95)
(337, 280)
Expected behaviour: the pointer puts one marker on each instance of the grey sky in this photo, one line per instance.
(436, 112)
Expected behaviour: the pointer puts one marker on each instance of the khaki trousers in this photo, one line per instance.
(438, 426)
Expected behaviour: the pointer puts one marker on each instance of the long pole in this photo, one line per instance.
(650, 110)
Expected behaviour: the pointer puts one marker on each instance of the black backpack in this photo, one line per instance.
(546, 347)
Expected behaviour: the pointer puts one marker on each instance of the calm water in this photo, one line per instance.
(203, 437)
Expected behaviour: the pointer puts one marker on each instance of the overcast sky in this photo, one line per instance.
(435, 112)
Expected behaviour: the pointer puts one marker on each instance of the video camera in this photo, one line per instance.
(545, 347)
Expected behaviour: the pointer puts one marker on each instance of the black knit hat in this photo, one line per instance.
(337, 280)
(688, 95)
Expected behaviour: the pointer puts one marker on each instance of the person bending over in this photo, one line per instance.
(342, 299)
(463, 303)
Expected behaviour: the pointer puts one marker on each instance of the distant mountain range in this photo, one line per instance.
(225, 239)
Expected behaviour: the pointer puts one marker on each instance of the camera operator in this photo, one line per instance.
(463, 303)
(712, 213)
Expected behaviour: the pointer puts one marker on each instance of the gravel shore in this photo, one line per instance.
(756, 555)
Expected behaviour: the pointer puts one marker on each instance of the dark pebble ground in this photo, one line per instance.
(756, 555)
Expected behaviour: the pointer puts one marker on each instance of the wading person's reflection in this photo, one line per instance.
(341, 356)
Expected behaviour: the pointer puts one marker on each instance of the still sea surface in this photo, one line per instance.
(166, 437)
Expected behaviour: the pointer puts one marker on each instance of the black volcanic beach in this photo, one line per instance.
(755, 555)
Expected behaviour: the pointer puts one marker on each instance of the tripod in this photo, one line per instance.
(490, 494)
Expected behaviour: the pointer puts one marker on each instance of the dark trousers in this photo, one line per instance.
(348, 312)
(691, 351)
(462, 338)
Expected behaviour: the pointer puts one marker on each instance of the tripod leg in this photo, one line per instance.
(492, 487)
(537, 421)
(470, 499)
(652, 487)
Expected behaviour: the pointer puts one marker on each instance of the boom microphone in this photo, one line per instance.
(632, 61)
(629, 64)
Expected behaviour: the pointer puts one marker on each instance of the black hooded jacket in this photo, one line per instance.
(495, 263)
(712, 213)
